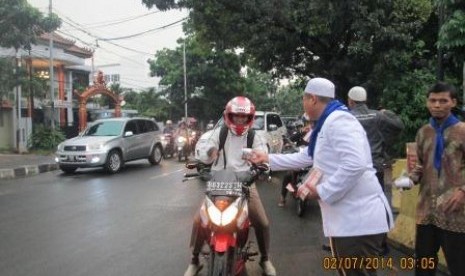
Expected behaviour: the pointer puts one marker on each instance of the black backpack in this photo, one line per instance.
(224, 133)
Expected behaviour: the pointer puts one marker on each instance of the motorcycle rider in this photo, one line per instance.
(169, 129)
(210, 125)
(238, 117)
(300, 137)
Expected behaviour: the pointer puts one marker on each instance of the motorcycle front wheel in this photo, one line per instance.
(218, 264)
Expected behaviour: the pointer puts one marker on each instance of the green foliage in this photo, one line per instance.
(289, 98)
(149, 103)
(261, 89)
(7, 77)
(213, 77)
(389, 47)
(45, 138)
(452, 34)
(21, 24)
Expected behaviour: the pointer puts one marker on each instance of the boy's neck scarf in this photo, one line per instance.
(450, 121)
(330, 108)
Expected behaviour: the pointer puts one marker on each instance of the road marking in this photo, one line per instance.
(166, 174)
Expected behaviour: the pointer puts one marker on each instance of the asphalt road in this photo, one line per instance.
(137, 222)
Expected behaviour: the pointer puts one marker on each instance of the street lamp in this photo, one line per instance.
(52, 88)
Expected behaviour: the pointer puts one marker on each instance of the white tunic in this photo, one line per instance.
(233, 149)
(351, 199)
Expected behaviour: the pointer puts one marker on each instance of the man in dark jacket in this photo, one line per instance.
(381, 126)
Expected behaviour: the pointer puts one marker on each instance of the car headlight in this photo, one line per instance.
(60, 147)
(97, 146)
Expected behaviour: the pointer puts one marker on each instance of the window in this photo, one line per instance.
(115, 78)
(112, 78)
(131, 126)
(273, 119)
(110, 128)
(145, 126)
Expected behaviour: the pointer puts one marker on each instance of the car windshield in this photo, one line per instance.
(109, 128)
(259, 123)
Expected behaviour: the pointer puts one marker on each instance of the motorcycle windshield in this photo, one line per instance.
(229, 175)
(227, 182)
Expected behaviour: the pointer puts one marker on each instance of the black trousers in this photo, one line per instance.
(430, 238)
(358, 248)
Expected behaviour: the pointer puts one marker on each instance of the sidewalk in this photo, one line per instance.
(21, 165)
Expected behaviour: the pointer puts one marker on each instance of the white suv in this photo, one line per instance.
(270, 125)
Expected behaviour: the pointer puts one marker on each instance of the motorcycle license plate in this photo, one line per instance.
(224, 188)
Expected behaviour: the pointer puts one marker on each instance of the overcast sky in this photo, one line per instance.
(87, 20)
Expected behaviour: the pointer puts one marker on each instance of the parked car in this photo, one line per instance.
(266, 123)
(109, 143)
(270, 125)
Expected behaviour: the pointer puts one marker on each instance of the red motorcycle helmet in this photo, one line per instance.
(239, 106)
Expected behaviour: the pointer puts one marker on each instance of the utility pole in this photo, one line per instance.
(18, 104)
(185, 80)
(52, 78)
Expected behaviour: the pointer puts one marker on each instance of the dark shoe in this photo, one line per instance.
(326, 247)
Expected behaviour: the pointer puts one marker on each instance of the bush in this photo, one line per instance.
(45, 138)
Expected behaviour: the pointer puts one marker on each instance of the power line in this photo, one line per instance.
(144, 32)
(116, 21)
(81, 28)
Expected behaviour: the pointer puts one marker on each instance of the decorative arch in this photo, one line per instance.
(99, 87)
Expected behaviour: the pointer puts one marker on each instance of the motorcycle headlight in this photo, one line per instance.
(97, 146)
(181, 139)
(214, 214)
(222, 218)
(229, 215)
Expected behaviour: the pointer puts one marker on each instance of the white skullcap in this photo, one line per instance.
(320, 87)
(358, 94)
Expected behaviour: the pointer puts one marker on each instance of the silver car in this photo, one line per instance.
(109, 143)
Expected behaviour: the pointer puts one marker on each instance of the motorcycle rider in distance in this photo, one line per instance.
(182, 129)
(238, 117)
(169, 129)
(210, 125)
(300, 137)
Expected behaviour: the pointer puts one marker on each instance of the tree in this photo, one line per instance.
(389, 47)
(339, 39)
(213, 77)
(452, 35)
(261, 89)
(291, 93)
(20, 25)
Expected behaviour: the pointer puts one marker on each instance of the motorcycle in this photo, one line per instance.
(295, 179)
(293, 185)
(224, 214)
(182, 147)
(194, 137)
(168, 145)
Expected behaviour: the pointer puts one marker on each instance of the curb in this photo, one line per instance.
(25, 171)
